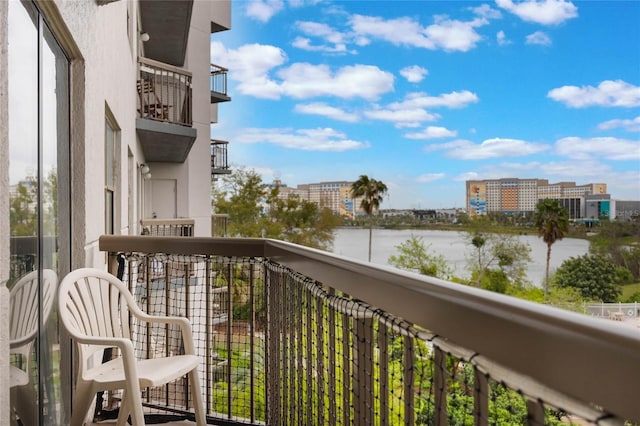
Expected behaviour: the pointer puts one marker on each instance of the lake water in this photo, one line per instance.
(354, 243)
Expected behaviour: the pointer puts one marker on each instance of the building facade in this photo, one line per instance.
(513, 195)
(334, 195)
(105, 120)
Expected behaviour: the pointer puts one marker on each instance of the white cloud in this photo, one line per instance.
(305, 44)
(263, 10)
(609, 93)
(630, 125)
(414, 73)
(304, 80)
(335, 41)
(490, 148)
(409, 117)
(449, 100)
(432, 132)
(487, 11)
(444, 34)
(540, 38)
(546, 12)
(319, 139)
(606, 148)
(321, 108)
(466, 176)
(429, 177)
(251, 65)
(502, 39)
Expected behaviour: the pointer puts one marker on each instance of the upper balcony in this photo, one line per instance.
(292, 335)
(164, 111)
(218, 84)
(219, 163)
(167, 23)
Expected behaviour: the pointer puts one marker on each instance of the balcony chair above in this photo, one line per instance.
(94, 307)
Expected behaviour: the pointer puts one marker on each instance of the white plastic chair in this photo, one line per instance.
(23, 329)
(94, 307)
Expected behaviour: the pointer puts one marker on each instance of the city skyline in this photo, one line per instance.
(427, 95)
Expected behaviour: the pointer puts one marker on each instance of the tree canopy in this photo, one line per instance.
(371, 192)
(552, 223)
(254, 210)
(414, 255)
(595, 277)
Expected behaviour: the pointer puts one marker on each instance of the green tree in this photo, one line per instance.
(300, 221)
(413, 255)
(552, 223)
(595, 277)
(372, 192)
(497, 260)
(23, 216)
(613, 240)
(240, 197)
(255, 211)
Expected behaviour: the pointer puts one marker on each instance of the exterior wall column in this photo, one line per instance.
(4, 216)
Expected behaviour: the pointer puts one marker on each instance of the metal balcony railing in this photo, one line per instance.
(219, 160)
(218, 84)
(167, 227)
(164, 92)
(291, 335)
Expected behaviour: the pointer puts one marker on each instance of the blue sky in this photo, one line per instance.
(424, 95)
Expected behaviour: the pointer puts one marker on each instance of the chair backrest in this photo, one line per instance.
(94, 303)
(23, 316)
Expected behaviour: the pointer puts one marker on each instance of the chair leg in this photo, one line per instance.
(123, 414)
(196, 394)
(134, 405)
(81, 403)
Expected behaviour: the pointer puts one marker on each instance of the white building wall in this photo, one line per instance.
(198, 61)
(110, 76)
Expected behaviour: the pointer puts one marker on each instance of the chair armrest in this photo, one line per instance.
(184, 323)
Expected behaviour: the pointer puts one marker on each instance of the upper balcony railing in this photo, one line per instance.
(292, 335)
(219, 160)
(218, 84)
(164, 92)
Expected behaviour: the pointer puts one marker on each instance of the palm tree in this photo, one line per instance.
(371, 192)
(552, 222)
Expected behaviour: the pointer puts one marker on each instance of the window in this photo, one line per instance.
(111, 139)
(40, 206)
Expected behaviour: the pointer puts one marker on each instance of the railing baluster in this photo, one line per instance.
(407, 380)
(332, 383)
(346, 370)
(440, 384)
(252, 348)
(383, 345)
(481, 398)
(535, 411)
(308, 366)
(229, 342)
(320, 327)
(208, 335)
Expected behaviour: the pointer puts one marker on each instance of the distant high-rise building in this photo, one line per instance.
(514, 195)
(334, 195)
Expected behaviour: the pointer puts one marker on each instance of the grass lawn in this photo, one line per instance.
(629, 289)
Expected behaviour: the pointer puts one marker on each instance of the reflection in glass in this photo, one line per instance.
(39, 212)
(23, 329)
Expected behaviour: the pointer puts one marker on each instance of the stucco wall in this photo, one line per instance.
(109, 57)
(4, 220)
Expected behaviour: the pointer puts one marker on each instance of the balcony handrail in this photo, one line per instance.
(218, 79)
(164, 67)
(589, 360)
(164, 92)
